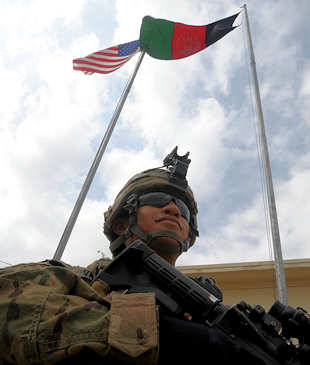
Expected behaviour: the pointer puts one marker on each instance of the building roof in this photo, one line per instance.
(252, 274)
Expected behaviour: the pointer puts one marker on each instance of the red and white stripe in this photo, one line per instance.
(104, 61)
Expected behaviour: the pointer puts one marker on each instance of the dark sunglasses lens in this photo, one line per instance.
(155, 199)
(159, 199)
(183, 209)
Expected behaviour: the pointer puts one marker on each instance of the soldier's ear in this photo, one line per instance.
(120, 225)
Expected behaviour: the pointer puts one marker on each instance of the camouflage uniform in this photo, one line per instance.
(49, 314)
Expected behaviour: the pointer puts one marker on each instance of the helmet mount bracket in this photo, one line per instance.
(177, 167)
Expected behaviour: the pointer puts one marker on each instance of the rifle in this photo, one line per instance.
(279, 337)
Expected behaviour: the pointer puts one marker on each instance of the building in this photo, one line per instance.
(255, 282)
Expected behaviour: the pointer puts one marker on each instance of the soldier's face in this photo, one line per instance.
(152, 219)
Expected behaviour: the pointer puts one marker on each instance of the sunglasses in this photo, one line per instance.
(159, 199)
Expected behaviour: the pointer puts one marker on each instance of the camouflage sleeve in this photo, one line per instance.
(48, 314)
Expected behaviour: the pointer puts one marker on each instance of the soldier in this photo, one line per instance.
(51, 315)
(158, 207)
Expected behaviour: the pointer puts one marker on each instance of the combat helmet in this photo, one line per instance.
(170, 178)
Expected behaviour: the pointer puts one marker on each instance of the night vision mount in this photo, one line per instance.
(177, 166)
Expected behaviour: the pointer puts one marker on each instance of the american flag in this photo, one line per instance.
(107, 60)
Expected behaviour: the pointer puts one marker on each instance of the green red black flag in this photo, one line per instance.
(168, 40)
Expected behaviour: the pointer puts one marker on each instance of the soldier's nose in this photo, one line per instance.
(172, 209)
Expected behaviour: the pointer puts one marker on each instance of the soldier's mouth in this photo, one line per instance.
(175, 221)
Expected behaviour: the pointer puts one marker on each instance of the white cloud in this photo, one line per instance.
(305, 87)
(12, 91)
(242, 238)
(87, 237)
(46, 132)
(41, 15)
(120, 165)
(245, 236)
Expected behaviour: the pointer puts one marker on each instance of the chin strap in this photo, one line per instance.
(151, 239)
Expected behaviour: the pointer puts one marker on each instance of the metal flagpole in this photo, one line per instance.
(279, 267)
(92, 171)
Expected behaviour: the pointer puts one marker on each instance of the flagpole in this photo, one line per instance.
(92, 171)
(279, 266)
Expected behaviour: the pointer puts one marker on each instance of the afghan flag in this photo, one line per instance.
(168, 40)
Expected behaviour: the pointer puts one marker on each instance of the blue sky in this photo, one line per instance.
(52, 120)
